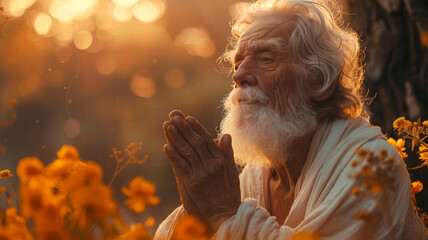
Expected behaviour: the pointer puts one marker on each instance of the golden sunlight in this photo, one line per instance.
(196, 41)
(125, 3)
(68, 10)
(143, 86)
(83, 40)
(148, 11)
(42, 23)
(122, 13)
(106, 65)
(18, 7)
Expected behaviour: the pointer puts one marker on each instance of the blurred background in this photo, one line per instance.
(98, 74)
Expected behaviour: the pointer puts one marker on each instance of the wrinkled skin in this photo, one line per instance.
(207, 178)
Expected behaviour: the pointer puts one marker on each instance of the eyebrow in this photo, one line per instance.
(273, 44)
(277, 45)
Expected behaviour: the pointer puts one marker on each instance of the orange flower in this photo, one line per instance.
(5, 174)
(49, 222)
(16, 225)
(425, 124)
(34, 197)
(60, 170)
(28, 168)
(402, 123)
(416, 187)
(68, 152)
(305, 236)
(423, 155)
(150, 222)
(91, 203)
(5, 234)
(190, 228)
(13, 218)
(137, 231)
(84, 173)
(141, 193)
(399, 145)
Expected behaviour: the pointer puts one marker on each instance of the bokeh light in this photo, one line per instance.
(148, 11)
(125, 3)
(106, 65)
(82, 40)
(68, 10)
(196, 41)
(18, 7)
(143, 86)
(42, 23)
(122, 13)
(72, 128)
(175, 77)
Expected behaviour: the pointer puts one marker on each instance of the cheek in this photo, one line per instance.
(285, 86)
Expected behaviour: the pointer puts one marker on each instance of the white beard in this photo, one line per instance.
(259, 133)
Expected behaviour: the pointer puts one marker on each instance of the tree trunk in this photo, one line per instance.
(394, 35)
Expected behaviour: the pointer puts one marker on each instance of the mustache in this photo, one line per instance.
(248, 95)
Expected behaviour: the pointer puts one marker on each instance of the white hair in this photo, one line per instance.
(259, 133)
(328, 51)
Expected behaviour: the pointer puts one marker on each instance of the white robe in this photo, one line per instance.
(323, 201)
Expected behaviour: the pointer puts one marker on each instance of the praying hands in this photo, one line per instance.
(207, 178)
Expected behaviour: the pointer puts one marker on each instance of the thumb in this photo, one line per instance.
(225, 144)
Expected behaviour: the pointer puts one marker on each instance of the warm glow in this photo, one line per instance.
(63, 54)
(147, 11)
(83, 40)
(175, 77)
(125, 3)
(143, 87)
(18, 7)
(64, 32)
(72, 128)
(238, 7)
(69, 10)
(196, 41)
(122, 14)
(42, 23)
(106, 65)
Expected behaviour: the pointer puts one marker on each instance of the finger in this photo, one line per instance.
(180, 165)
(178, 113)
(199, 129)
(183, 147)
(165, 132)
(195, 140)
(225, 144)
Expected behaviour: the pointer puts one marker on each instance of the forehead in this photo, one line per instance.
(267, 29)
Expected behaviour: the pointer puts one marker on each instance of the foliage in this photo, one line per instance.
(67, 199)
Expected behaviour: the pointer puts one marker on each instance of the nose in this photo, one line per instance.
(243, 76)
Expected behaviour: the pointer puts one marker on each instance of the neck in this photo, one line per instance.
(290, 171)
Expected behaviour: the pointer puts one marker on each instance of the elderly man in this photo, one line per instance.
(294, 121)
